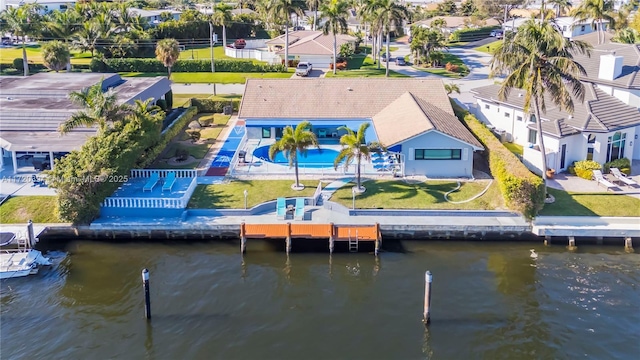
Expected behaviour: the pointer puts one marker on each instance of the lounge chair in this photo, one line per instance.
(153, 180)
(322, 133)
(168, 182)
(281, 208)
(622, 177)
(597, 176)
(299, 213)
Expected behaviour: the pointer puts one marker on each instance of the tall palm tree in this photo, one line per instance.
(335, 13)
(222, 17)
(561, 6)
(168, 51)
(23, 21)
(292, 142)
(99, 108)
(315, 4)
(539, 60)
(355, 147)
(388, 13)
(64, 24)
(87, 37)
(55, 55)
(452, 88)
(598, 11)
(282, 9)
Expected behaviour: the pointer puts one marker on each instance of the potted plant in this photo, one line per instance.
(550, 173)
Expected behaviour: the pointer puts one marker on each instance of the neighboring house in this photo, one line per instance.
(154, 17)
(411, 117)
(568, 26)
(32, 109)
(603, 128)
(453, 23)
(311, 46)
(47, 5)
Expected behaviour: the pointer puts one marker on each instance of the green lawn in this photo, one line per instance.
(514, 148)
(34, 55)
(20, 209)
(204, 53)
(601, 204)
(489, 48)
(231, 196)
(218, 78)
(448, 58)
(396, 194)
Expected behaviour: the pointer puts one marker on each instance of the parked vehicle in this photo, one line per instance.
(239, 44)
(497, 34)
(384, 57)
(304, 68)
(400, 61)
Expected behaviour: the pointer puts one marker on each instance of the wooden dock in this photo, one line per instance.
(353, 234)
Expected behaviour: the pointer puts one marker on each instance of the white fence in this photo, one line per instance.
(152, 203)
(256, 54)
(163, 173)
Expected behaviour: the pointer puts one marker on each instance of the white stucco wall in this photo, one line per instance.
(515, 124)
(628, 96)
(636, 145)
(437, 168)
(317, 61)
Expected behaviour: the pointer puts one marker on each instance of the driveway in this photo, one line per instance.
(315, 73)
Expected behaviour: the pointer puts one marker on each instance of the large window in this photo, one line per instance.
(438, 154)
(533, 136)
(615, 146)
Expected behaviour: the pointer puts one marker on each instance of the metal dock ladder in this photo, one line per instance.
(22, 243)
(353, 243)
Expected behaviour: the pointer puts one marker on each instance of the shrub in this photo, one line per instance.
(18, 64)
(181, 154)
(452, 67)
(340, 65)
(97, 65)
(162, 104)
(168, 134)
(153, 65)
(214, 106)
(206, 121)
(584, 168)
(522, 190)
(623, 164)
(194, 134)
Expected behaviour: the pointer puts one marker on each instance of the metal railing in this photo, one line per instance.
(145, 173)
(152, 203)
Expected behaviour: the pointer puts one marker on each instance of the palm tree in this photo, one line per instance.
(282, 9)
(315, 4)
(388, 13)
(87, 37)
(99, 108)
(293, 142)
(539, 60)
(355, 147)
(561, 6)
(451, 88)
(335, 14)
(168, 51)
(55, 55)
(627, 36)
(598, 11)
(222, 17)
(64, 24)
(23, 21)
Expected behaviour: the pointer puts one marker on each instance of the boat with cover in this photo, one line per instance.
(19, 262)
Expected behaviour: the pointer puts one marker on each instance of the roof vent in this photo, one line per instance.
(349, 89)
(520, 95)
(9, 98)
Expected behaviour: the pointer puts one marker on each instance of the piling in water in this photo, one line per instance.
(147, 298)
(426, 315)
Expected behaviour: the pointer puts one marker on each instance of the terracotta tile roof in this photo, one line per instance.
(598, 113)
(306, 42)
(400, 108)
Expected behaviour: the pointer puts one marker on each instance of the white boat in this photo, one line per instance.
(17, 263)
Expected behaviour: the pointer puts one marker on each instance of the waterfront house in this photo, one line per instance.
(605, 127)
(32, 109)
(413, 118)
(453, 23)
(569, 26)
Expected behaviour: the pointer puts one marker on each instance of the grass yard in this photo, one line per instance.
(204, 53)
(514, 148)
(361, 66)
(396, 194)
(448, 58)
(218, 78)
(231, 196)
(34, 55)
(489, 48)
(20, 209)
(602, 204)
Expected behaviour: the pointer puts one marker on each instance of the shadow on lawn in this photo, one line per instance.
(207, 197)
(567, 205)
(433, 193)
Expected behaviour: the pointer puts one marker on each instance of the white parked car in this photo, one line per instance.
(304, 68)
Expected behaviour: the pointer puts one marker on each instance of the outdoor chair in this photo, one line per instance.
(153, 180)
(622, 177)
(169, 181)
(299, 213)
(322, 133)
(281, 208)
(597, 175)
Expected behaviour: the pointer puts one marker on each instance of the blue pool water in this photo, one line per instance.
(314, 158)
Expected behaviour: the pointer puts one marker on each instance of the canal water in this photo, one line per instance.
(489, 301)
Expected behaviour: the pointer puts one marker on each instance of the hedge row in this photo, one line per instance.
(17, 64)
(171, 132)
(523, 190)
(153, 65)
(472, 34)
(214, 106)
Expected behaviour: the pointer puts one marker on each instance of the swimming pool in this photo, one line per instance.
(314, 158)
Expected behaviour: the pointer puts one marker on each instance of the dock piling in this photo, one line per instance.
(547, 240)
(378, 239)
(426, 315)
(572, 243)
(331, 238)
(288, 241)
(147, 297)
(30, 236)
(243, 239)
(628, 245)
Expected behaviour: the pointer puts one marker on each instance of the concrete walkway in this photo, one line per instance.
(328, 190)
